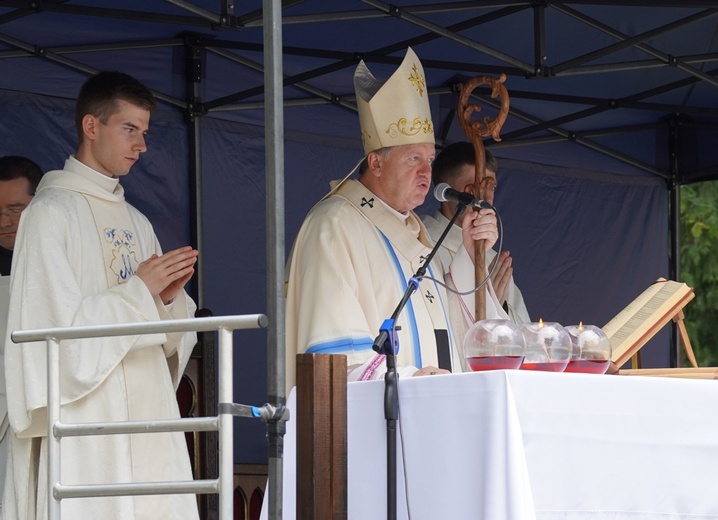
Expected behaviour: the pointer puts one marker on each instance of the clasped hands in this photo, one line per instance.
(166, 275)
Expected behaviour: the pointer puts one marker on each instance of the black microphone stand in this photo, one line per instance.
(387, 343)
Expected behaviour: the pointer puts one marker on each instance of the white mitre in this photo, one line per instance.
(396, 112)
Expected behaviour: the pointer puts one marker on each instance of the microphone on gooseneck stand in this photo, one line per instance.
(443, 192)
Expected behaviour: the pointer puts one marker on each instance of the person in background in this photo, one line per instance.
(84, 256)
(358, 247)
(19, 177)
(455, 166)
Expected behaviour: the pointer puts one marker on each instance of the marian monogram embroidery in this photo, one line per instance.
(124, 260)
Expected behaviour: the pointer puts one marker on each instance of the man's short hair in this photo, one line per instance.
(15, 167)
(447, 165)
(383, 152)
(99, 96)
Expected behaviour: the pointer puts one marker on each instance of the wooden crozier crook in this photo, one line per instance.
(482, 185)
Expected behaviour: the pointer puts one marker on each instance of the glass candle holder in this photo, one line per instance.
(494, 345)
(591, 352)
(548, 346)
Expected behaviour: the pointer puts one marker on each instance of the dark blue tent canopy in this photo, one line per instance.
(614, 105)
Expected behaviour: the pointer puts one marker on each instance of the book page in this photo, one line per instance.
(616, 325)
(644, 316)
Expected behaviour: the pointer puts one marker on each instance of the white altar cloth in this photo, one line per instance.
(519, 445)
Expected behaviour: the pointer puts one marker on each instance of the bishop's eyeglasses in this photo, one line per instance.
(12, 213)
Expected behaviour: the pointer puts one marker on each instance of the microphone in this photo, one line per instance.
(443, 192)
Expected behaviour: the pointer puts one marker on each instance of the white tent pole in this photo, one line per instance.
(274, 153)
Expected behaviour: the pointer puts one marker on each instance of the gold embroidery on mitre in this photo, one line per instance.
(417, 81)
(417, 125)
(365, 137)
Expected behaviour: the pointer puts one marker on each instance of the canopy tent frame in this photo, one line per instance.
(232, 102)
(225, 21)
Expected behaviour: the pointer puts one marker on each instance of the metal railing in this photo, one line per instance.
(223, 485)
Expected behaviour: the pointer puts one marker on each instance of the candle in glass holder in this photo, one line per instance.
(494, 345)
(548, 346)
(591, 349)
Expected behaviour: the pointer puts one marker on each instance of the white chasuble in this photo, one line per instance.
(79, 245)
(348, 271)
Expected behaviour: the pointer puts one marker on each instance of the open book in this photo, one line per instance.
(644, 316)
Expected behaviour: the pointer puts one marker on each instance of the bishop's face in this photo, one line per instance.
(113, 147)
(401, 177)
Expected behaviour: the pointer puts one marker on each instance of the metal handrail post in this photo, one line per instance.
(53, 417)
(226, 433)
(224, 485)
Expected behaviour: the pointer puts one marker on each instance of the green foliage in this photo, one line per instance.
(699, 267)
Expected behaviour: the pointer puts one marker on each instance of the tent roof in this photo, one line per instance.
(598, 75)
(608, 100)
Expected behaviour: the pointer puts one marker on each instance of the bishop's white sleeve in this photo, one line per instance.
(324, 314)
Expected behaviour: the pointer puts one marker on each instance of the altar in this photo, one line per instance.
(517, 445)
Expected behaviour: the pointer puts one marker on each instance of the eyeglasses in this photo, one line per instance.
(12, 213)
